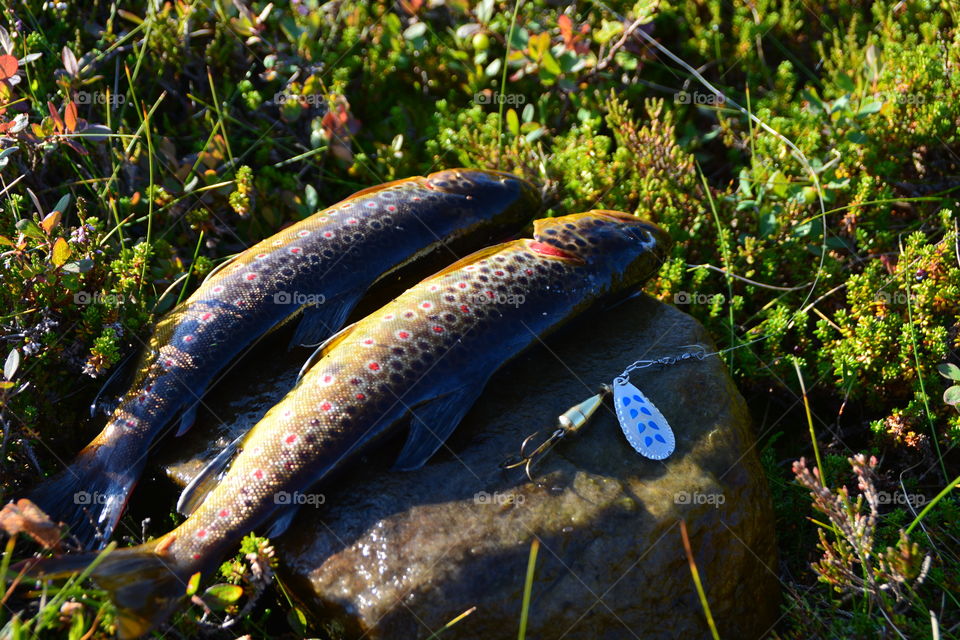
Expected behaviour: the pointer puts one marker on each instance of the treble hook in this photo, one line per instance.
(568, 423)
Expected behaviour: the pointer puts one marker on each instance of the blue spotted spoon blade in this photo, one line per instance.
(646, 429)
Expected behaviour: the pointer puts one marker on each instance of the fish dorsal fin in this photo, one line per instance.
(121, 371)
(320, 321)
(208, 478)
(476, 256)
(324, 349)
(433, 422)
(220, 267)
(280, 521)
(386, 185)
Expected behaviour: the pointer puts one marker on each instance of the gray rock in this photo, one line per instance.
(398, 555)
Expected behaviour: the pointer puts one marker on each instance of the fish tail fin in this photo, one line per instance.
(145, 584)
(90, 495)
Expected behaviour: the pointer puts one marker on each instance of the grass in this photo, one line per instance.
(823, 210)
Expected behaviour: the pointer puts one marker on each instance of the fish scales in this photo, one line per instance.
(321, 265)
(428, 353)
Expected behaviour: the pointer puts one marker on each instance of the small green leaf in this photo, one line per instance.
(11, 365)
(870, 107)
(220, 596)
(297, 620)
(845, 83)
(527, 115)
(29, 228)
(62, 203)
(79, 266)
(513, 122)
(949, 370)
(952, 395)
(193, 584)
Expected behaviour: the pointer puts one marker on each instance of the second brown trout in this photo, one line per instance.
(425, 356)
(321, 267)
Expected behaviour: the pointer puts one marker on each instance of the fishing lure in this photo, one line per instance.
(646, 429)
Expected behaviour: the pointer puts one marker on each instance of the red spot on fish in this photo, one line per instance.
(464, 308)
(498, 273)
(217, 289)
(295, 250)
(206, 316)
(327, 379)
(360, 396)
(196, 556)
(326, 406)
(408, 314)
(168, 362)
(303, 233)
(224, 513)
(529, 272)
(202, 533)
(355, 380)
(258, 474)
(462, 285)
(188, 338)
(390, 207)
(374, 366)
(438, 329)
(389, 316)
(251, 276)
(260, 256)
(371, 204)
(368, 341)
(434, 287)
(290, 439)
(328, 234)
(131, 423)
(403, 335)
(416, 198)
(352, 221)
(426, 305)
(490, 294)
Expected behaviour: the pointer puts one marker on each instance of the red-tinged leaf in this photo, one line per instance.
(8, 67)
(73, 145)
(50, 221)
(55, 116)
(70, 116)
(6, 240)
(4, 126)
(26, 517)
(566, 27)
(37, 130)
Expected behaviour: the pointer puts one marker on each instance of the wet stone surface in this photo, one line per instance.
(398, 555)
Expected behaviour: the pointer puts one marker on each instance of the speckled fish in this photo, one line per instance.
(321, 266)
(426, 355)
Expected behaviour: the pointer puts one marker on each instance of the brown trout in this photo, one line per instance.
(426, 355)
(320, 266)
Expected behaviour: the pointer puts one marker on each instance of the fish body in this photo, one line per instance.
(427, 354)
(320, 266)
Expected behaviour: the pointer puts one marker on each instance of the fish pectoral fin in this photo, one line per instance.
(189, 417)
(432, 423)
(280, 520)
(111, 388)
(322, 350)
(208, 478)
(320, 321)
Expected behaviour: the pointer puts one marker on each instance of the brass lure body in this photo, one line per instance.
(320, 266)
(427, 355)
